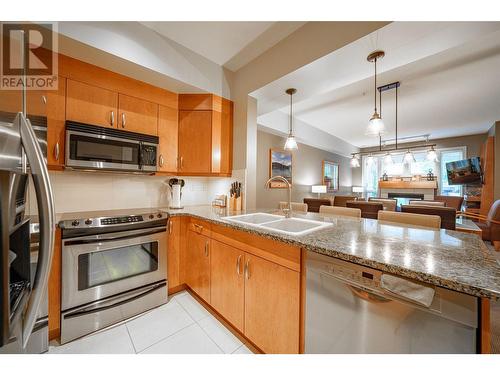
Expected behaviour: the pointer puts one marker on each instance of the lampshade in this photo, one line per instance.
(291, 143)
(409, 158)
(354, 161)
(376, 126)
(357, 189)
(318, 189)
(432, 155)
(388, 159)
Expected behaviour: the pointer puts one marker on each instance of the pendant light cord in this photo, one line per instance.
(396, 117)
(291, 125)
(375, 61)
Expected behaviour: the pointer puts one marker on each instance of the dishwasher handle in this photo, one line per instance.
(365, 292)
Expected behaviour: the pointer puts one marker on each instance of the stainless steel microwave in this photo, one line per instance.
(99, 148)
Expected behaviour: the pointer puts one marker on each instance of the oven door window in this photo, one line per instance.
(103, 267)
(103, 150)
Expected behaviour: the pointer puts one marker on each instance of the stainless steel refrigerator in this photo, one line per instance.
(26, 241)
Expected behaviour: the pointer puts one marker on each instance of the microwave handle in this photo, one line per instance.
(46, 214)
(141, 154)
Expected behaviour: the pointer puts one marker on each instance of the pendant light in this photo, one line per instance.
(432, 155)
(409, 157)
(388, 159)
(355, 161)
(376, 125)
(291, 143)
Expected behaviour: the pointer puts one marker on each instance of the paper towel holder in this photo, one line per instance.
(176, 185)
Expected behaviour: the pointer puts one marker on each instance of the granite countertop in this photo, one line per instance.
(450, 259)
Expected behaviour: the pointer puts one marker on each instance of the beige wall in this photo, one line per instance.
(306, 169)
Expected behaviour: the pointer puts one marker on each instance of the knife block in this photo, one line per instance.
(235, 204)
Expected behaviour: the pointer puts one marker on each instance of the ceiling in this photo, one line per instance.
(229, 44)
(448, 71)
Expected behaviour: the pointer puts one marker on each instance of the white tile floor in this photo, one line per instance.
(182, 326)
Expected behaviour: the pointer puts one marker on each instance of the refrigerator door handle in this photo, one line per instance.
(46, 215)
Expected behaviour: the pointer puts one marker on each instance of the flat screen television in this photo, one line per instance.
(465, 172)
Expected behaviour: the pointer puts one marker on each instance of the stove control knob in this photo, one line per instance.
(75, 223)
(159, 216)
(88, 221)
(151, 216)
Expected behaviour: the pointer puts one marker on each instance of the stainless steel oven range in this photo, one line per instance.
(112, 269)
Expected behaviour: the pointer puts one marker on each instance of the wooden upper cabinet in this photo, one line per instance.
(197, 264)
(221, 132)
(56, 110)
(137, 115)
(226, 138)
(11, 101)
(272, 295)
(91, 105)
(168, 129)
(227, 285)
(195, 142)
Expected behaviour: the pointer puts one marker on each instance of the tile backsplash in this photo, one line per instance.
(83, 191)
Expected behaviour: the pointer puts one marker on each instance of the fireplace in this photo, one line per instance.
(404, 198)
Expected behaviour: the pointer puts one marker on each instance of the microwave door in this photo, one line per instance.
(94, 151)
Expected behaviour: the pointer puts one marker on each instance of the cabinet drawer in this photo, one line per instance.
(200, 227)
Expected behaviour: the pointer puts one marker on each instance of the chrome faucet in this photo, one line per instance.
(286, 211)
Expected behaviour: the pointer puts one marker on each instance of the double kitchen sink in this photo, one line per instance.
(277, 223)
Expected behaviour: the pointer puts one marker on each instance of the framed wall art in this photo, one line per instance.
(330, 173)
(280, 164)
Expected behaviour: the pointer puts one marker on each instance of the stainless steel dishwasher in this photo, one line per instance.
(349, 311)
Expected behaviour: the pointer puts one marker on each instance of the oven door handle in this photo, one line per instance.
(109, 238)
(102, 305)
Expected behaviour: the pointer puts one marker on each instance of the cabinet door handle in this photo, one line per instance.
(160, 160)
(124, 119)
(170, 227)
(112, 119)
(247, 269)
(206, 248)
(44, 99)
(56, 151)
(182, 162)
(238, 262)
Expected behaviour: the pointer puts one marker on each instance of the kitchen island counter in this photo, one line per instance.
(450, 259)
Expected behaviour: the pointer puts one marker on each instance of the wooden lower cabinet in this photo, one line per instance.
(272, 303)
(227, 285)
(197, 264)
(173, 252)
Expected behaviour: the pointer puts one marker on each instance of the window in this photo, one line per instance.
(370, 176)
(372, 172)
(421, 166)
(446, 156)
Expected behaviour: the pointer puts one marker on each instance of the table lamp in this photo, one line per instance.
(358, 190)
(318, 189)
